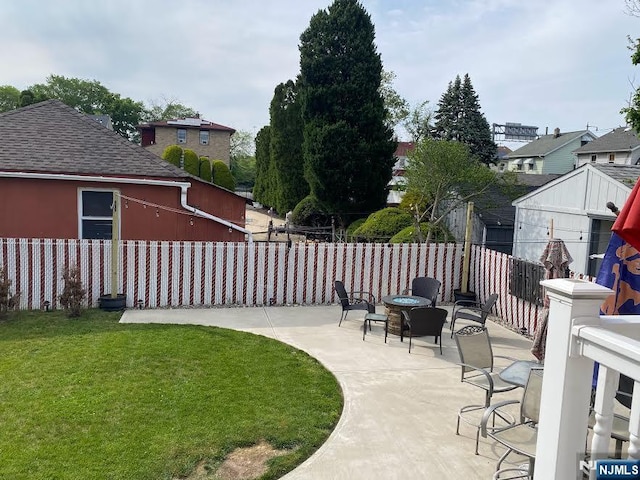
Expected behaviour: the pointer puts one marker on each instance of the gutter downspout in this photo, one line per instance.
(136, 181)
(186, 206)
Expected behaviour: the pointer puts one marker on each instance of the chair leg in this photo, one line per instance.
(453, 324)
(440, 342)
(477, 439)
(386, 329)
(343, 316)
(410, 342)
(364, 328)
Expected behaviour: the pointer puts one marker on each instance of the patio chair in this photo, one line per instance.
(426, 287)
(477, 369)
(351, 302)
(423, 321)
(474, 311)
(521, 437)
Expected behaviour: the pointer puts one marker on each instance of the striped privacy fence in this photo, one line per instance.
(164, 274)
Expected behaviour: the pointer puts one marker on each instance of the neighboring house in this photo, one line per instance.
(206, 138)
(494, 215)
(577, 204)
(621, 146)
(547, 154)
(59, 171)
(397, 180)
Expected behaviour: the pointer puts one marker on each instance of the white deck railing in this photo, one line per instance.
(578, 336)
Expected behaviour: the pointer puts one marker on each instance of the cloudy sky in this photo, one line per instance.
(560, 63)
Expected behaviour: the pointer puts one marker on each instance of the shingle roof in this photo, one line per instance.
(618, 140)
(625, 174)
(545, 144)
(54, 138)
(495, 207)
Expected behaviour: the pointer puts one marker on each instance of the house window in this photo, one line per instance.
(95, 214)
(530, 166)
(204, 137)
(593, 158)
(519, 167)
(182, 135)
(612, 158)
(599, 241)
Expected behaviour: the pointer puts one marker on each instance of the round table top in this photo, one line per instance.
(406, 301)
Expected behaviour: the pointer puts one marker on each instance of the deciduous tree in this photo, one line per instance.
(442, 175)
(9, 98)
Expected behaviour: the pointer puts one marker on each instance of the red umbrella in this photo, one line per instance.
(627, 225)
(556, 259)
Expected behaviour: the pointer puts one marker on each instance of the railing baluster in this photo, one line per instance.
(634, 424)
(603, 408)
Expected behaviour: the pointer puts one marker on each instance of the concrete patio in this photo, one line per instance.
(400, 409)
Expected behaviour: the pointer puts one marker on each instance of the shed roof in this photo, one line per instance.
(547, 144)
(52, 137)
(621, 139)
(625, 174)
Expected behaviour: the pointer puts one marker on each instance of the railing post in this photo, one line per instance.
(566, 386)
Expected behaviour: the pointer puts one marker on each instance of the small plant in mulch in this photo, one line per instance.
(8, 301)
(73, 294)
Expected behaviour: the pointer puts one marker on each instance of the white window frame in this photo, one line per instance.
(178, 139)
(81, 217)
(208, 137)
(612, 158)
(594, 158)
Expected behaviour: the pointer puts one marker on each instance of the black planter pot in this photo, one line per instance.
(109, 304)
(459, 296)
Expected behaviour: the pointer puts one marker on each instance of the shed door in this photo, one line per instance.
(600, 235)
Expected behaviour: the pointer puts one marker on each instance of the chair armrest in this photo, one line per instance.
(371, 296)
(476, 369)
(490, 411)
(406, 291)
(455, 311)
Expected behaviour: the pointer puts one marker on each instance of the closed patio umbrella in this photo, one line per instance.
(556, 259)
(627, 225)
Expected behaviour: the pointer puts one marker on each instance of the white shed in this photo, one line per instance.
(577, 204)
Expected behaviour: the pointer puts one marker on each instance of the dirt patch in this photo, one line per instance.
(241, 464)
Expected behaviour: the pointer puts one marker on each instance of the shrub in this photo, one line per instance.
(205, 169)
(191, 162)
(73, 294)
(173, 154)
(440, 234)
(352, 228)
(310, 212)
(413, 198)
(222, 175)
(380, 226)
(7, 300)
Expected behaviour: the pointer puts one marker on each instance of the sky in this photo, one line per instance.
(554, 63)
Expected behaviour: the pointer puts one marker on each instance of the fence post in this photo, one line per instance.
(566, 386)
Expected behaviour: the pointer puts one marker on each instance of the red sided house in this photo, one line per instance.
(60, 171)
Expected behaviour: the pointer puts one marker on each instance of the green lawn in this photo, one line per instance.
(90, 398)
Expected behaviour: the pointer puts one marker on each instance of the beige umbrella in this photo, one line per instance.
(556, 259)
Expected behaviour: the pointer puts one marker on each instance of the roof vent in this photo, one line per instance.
(556, 132)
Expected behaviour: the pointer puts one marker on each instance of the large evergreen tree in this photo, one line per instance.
(459, 118)
(348, 147)
(262, 189)
(286, 147)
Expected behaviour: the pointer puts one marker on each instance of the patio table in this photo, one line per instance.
(518, 372)
(395, 304)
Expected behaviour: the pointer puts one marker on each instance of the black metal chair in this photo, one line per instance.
(423, 321)
(474, 311)
(426, 287)
(350, 302)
